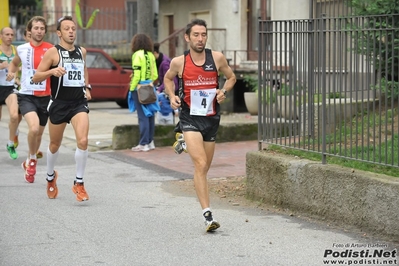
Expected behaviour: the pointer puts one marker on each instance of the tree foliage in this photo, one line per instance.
(377, 37)
(373, 7)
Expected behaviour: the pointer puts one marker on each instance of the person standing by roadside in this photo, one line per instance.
(166, 113)
(33, 98)
(165, 116)
(144, 68)
(70, 90)
(8, 94)
(200, 105)
(163, 64)
(27, 36)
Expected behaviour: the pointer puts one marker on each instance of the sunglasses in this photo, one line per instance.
(61, 20)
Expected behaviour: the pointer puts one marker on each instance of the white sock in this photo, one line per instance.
(51, 158)
(81, 159)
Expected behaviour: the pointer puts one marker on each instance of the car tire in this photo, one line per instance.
(122, 103)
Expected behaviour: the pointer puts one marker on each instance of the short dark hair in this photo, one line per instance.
(41, 19)
(193, 23)
(62, 19)
(156, 47)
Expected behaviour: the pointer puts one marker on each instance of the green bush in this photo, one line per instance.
(379, 45)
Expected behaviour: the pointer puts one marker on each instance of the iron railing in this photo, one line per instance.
(111, 31)
(330, 86)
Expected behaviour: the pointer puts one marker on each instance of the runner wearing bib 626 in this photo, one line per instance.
(70, 91)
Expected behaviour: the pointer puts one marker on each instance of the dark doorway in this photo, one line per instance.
(239, 103)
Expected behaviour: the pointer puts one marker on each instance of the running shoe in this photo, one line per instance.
(39, 154)
(141, 148)
(210, 223)
(12, 152)
(31, 167)
(180, 145)
(151, 145)
(16, 142)
(79, 190)
(28, 177)
(52, 189)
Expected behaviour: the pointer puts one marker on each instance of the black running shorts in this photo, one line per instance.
(31, 103)
(207, 125)
(5, 91)
(63, 111)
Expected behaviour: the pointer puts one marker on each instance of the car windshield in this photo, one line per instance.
(97, 60)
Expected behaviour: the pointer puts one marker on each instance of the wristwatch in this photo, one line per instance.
(224, 91)
(88, 86)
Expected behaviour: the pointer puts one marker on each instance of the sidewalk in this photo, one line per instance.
(229, 159)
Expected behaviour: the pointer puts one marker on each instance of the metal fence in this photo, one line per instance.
(330, 86)
(112, 29)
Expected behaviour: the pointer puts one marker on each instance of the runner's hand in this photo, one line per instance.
(220, 96)
(59, 71)
(10, 76)
(175, 102)
(88, 95)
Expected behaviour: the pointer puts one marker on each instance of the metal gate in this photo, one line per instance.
(330, 85)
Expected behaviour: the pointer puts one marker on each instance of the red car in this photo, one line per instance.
(109, 80)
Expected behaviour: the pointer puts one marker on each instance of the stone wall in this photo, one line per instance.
(366, 200)
(127, 136)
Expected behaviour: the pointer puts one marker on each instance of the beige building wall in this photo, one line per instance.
(228, 18)
(289, 9)
(225, 18)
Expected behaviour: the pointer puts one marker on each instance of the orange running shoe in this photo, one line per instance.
(79, 190)
(16, 142)
(28, 178)
(39, 154)
(52, 189)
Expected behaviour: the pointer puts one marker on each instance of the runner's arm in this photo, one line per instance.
(225, 69)
(168, 81)
(43, 70)
(13, 67)
(86, 73)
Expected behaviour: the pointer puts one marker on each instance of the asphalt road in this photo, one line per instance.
(131, 219)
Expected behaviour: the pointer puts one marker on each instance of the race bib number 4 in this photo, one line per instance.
(202, 102)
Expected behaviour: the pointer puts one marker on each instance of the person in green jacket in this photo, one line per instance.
(144, 69)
